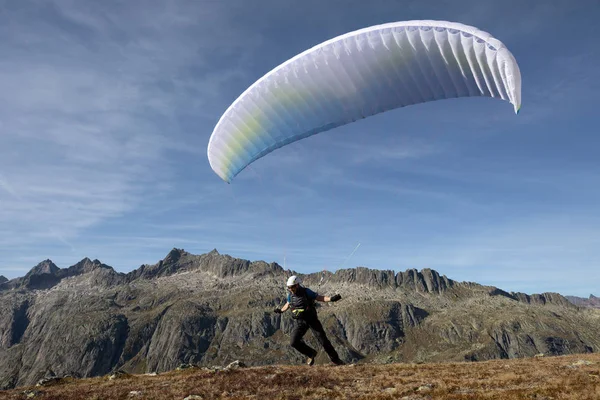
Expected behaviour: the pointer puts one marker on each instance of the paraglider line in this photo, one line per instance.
(351, 254)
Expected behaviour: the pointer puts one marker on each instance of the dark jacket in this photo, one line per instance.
(302, 303)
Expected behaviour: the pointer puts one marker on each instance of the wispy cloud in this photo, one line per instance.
(92, 97)
(106, 109)
(7, 187)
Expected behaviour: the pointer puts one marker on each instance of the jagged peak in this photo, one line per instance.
(223, 265)
(363, 274)
(427, 280)
(174, 255)
(42, 276)
(167, 266)
(85, 261)
(44, 267)
(494, 291)
(541, 298)
(84, 266)
(3, 279)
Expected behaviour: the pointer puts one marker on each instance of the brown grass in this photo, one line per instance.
(533, 378)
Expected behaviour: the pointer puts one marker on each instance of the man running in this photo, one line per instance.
(301, 301)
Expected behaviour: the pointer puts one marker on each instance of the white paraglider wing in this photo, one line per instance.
(358, 75)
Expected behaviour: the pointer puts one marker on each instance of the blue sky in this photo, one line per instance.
(106, 109)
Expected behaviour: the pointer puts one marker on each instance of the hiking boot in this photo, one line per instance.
(311, 360)
(338, 362)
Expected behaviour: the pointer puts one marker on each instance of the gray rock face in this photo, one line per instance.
(182, 335)
(213, 309)
(543, 298)
(42, 276)
(3, 279)
(425, 281)
(377, 326)
(592, 301)
(13, 320)
(46, 275)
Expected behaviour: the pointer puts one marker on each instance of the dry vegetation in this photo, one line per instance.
(564, 377)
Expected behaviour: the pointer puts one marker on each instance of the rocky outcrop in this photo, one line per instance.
(211, 309)
(42, 276)
(169, 265)
(424, 281)
(378, 326)
(3, 279)
(182, 335)
(13, 320)
(544, 298)
(508, 342)
(592, 301)
(64, 335)
(365, 276)
(222, 266)
(82, 267)
(539, 299)
(46, 275)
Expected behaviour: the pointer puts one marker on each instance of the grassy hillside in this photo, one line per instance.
(560, 377)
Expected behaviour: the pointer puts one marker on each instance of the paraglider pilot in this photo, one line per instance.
(301, 302)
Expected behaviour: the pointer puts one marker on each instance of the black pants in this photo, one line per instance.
(311, 321)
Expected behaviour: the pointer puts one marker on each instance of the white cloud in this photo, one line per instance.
(106, 109)
(90, 100)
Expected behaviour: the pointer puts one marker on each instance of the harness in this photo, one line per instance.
(298, 312)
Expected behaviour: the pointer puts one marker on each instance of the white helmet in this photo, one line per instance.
(293, 280)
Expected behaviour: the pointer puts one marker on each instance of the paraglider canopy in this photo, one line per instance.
(357, 75)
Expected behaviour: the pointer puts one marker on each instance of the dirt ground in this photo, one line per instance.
(562, 377)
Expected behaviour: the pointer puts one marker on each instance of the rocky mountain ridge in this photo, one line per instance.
(592, 301)
(46, 275)
(88, 319)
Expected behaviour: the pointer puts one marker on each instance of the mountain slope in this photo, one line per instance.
(88, 320)
(570, 377)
